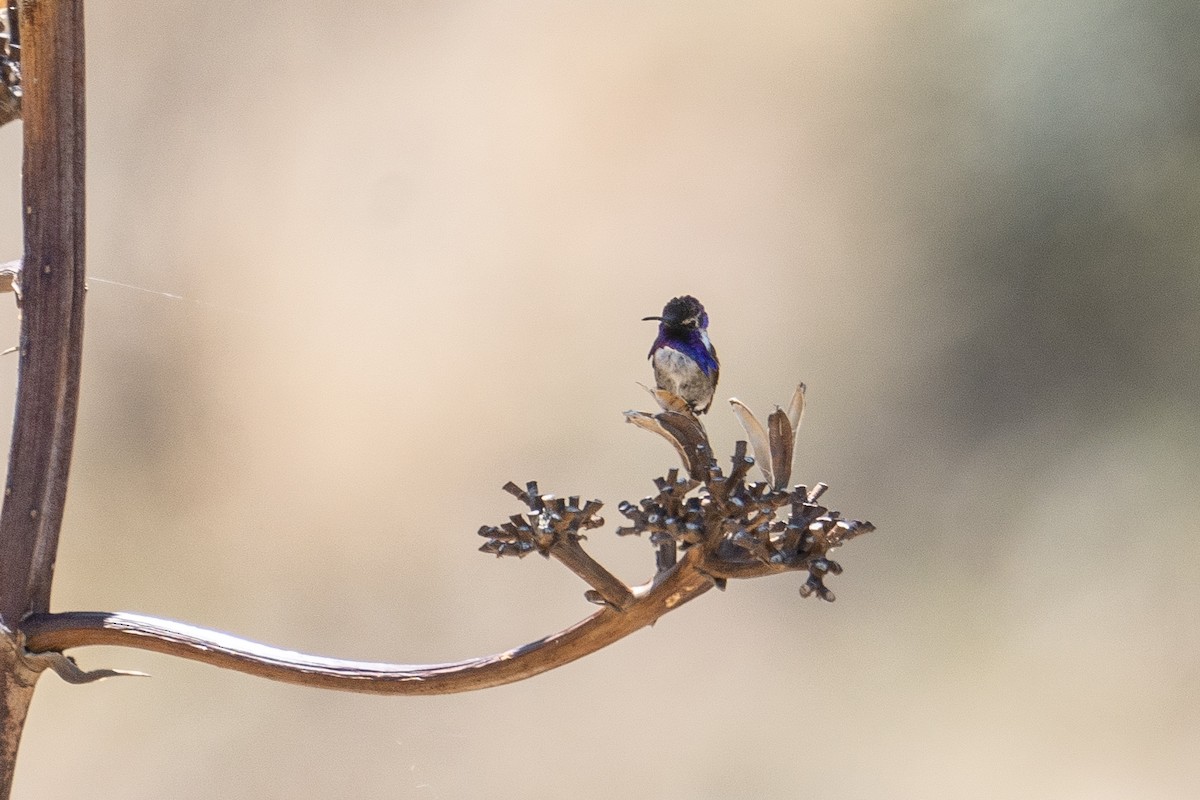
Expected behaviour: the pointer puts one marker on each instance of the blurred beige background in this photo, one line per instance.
(415, 241)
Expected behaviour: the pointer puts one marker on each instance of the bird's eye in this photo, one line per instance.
(691, 322)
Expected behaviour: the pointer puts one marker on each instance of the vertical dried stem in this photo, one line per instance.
(51, 336)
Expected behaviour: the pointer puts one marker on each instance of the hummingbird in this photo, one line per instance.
(685, 361)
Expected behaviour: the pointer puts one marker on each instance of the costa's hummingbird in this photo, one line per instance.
(685, 361)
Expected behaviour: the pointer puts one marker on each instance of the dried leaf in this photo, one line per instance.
(795, 410)
(757, 436)
(651, 423)
(693, 440)
(783, 442)
(668, 401)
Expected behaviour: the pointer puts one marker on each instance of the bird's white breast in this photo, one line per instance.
(679, 374)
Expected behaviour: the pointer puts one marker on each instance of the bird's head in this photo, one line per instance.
(682, 314)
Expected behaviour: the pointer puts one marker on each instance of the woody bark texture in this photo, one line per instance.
(51, 338)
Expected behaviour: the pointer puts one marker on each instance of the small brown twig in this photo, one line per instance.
(10, 278)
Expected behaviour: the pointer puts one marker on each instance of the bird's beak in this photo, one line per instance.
(647, 319)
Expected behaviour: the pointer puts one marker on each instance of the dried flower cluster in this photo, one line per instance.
(740, 528)
(550, 520)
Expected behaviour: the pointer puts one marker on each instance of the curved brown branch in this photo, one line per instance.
(671, 589)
